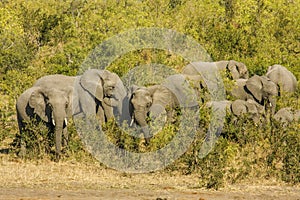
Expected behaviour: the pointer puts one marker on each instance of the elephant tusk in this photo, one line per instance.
(66, 121)
(131, 123)
(53, 122)
(270, 104)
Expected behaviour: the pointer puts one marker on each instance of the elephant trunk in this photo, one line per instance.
(140, 117)
(271, 105)
(60, 123)
(111, 104)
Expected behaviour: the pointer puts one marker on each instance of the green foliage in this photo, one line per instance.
(36, 139)
(40, 37)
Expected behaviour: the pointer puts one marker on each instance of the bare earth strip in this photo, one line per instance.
(73, 180)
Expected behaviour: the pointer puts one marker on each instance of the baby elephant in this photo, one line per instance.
(250, 107)
(153, 101)
(287, 115)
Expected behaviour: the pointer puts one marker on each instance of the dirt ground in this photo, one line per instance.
(73, 180)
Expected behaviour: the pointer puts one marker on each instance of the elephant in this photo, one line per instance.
(154, 100)
(240, 107)
(102, 89)
(285, 80)
(286, 116)
(141, 101)
(238, 91)
(199, 86)
(250, 107)
(48, 105)
(258, 88)
(234, 69)
(95, 92)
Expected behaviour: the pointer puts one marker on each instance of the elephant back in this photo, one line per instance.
(58, 81)
(180, 87)
(284, 78)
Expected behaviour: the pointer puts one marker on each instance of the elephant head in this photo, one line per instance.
(140, 102)
(237, 70)
(152, 101)
(53, 107)
(104, 88)
(263, 91)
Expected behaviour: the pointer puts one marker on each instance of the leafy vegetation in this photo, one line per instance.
(41, 37)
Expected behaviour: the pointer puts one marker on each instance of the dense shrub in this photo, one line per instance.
(46, 37)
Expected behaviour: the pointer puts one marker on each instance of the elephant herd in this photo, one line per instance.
(54, 99)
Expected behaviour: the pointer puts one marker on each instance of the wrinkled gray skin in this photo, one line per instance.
(95, 92)
(234, 69)
(241, 107)
(153, 98)
(287, 116)
(258, 88)
(157, 99)
(100, 91)
(49, 105)
(285, 79)
(250, 107)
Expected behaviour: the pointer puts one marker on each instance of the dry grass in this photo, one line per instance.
(74, 180)
(72, 175)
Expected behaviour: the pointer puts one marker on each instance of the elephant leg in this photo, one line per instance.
(108, 111)
(171, 116)
(22, 152)
(147, 134)
(100, 114)
(22, 141)
(58, 142)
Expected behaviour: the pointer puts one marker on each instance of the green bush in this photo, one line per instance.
(46, 37)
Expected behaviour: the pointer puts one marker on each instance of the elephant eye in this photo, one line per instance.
(111, 87)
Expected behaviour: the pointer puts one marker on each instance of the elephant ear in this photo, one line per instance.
(254, 86)
(120, 91)
(132, 90)
(69, 94)
(37, 102)
(233, 68)
(92, 82)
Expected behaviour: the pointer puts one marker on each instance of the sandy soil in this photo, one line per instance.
(73, 180)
